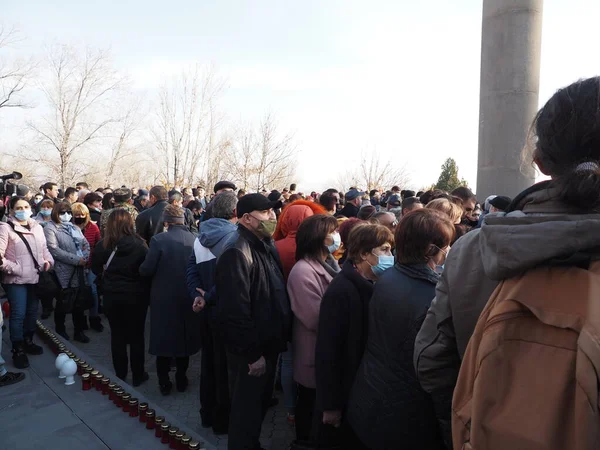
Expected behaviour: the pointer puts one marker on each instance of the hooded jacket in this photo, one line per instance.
(285, 235)
(214, 236)
(539, 229)
(67, 245)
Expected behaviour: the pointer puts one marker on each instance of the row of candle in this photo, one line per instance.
(93, 379)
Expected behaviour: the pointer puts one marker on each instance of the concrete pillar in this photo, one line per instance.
(511, 41)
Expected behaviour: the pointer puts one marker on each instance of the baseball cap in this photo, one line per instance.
(255, 202)
(354, 193)
(394, 200)
(501, 202)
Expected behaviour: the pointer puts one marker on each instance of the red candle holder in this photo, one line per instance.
(164, 428)
(176, 443)
(104, 385)
(158, 422)
(86, 383)
(125, 402)
(98, 381)
(185, 442)
(112, 387)
(133, 407)
(119, 393)
(142, 409)
(150, 419)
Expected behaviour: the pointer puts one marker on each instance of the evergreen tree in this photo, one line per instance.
(449, 180)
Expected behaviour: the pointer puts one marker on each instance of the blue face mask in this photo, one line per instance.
(385, 262)
(337, 241)
(45, 212)
(23, 215)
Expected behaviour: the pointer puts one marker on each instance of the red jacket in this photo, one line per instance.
(92, 234)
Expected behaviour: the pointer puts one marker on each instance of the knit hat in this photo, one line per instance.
(173, 214)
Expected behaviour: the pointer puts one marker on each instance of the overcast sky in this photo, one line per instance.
(345, 76)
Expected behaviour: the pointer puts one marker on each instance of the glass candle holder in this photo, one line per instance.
(194, 445)
(125, 402)
(177, 444)
(104, 385)
(142, 408)
(133, 407)
(185, 442)
(93, 373)
(158, 423)
(119, 393)
(98, 381)
(164, 428)
(111, 391)
(172, 432)
(86, 383)
(150, 418)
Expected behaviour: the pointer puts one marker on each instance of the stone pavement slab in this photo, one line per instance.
(184, 407)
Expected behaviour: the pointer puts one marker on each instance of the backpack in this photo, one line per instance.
(529, 377)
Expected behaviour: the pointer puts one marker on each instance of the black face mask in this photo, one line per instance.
(78, 220)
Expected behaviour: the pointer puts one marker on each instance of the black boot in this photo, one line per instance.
(96, 324)
(63, 333)
(81, 337)
(46, 312)
(20, 359)
(165, 387)
(181, 382)
(30, 348)
(11, 378)
(85, 326)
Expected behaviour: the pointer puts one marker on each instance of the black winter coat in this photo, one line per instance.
(150, 221)
(122, 276)
(388, 409)
(174, 327)
(341, 337)
(253, 307)
(349, 210)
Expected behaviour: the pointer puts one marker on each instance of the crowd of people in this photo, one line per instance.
(361, 305)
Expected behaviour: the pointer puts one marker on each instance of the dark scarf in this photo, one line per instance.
(419, 271)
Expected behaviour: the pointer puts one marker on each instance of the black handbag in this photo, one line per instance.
(65, 301)
(85, 298)
(47, 286)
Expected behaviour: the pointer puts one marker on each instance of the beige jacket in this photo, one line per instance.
(540, 229)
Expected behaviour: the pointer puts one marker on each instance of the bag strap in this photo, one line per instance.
(110, 258)
(35, 263)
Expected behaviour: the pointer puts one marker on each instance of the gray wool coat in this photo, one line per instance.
(175, 329)
(63, 249)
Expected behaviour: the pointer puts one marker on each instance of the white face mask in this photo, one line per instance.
(65, 217)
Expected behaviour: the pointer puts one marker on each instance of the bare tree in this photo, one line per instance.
(14, 73)
(123, 147)
(263, 159)
(374, 173)
(186, 124)
(80, 91)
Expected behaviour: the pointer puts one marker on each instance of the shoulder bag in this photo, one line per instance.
(47, 286)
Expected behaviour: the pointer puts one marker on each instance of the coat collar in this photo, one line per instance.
(364, 286)
(418, 271)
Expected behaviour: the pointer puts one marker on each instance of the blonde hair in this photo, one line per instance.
(79, 209)
(452, 210)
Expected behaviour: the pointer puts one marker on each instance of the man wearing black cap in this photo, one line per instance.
(353, 202)
(254, 311)
(221, 186)
(275, 196)
(122, 199)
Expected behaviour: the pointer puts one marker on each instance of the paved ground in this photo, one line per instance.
(276, 432)
(41, 412)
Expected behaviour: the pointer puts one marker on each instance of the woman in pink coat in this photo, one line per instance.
(316, 240)
(20, 276)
